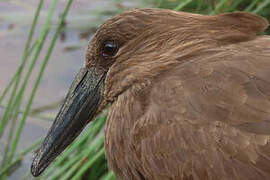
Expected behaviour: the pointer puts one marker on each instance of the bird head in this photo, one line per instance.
(129, 51)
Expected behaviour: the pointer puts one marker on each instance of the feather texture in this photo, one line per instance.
(190, 96)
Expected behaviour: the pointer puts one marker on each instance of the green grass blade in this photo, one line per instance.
(92, 159)
(261, 6)
(20, 156)
(26, 51)
(37, 50)
(182, 5)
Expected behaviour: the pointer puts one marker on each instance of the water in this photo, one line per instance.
(67, 57)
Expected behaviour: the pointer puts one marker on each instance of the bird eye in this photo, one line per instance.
(110, 48)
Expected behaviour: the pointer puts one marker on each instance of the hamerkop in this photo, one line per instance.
(189, 95)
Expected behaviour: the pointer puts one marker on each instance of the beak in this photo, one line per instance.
(79, 108)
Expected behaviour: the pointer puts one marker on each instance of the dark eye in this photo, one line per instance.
(110, 48)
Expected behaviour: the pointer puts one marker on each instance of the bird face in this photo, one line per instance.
(129, 51)
(110, 68)
(87, 95)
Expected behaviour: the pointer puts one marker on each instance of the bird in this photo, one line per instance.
(189, 97)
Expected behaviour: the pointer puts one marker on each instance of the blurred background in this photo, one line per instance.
(42, 46)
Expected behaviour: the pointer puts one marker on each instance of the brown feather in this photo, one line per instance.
(190, 95)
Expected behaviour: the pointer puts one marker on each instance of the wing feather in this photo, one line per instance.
(209, 118)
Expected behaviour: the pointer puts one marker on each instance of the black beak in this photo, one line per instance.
(79, 108)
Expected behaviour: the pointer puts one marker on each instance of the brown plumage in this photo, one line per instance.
(189, 94)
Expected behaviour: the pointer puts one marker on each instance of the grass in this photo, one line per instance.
(85, 156)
